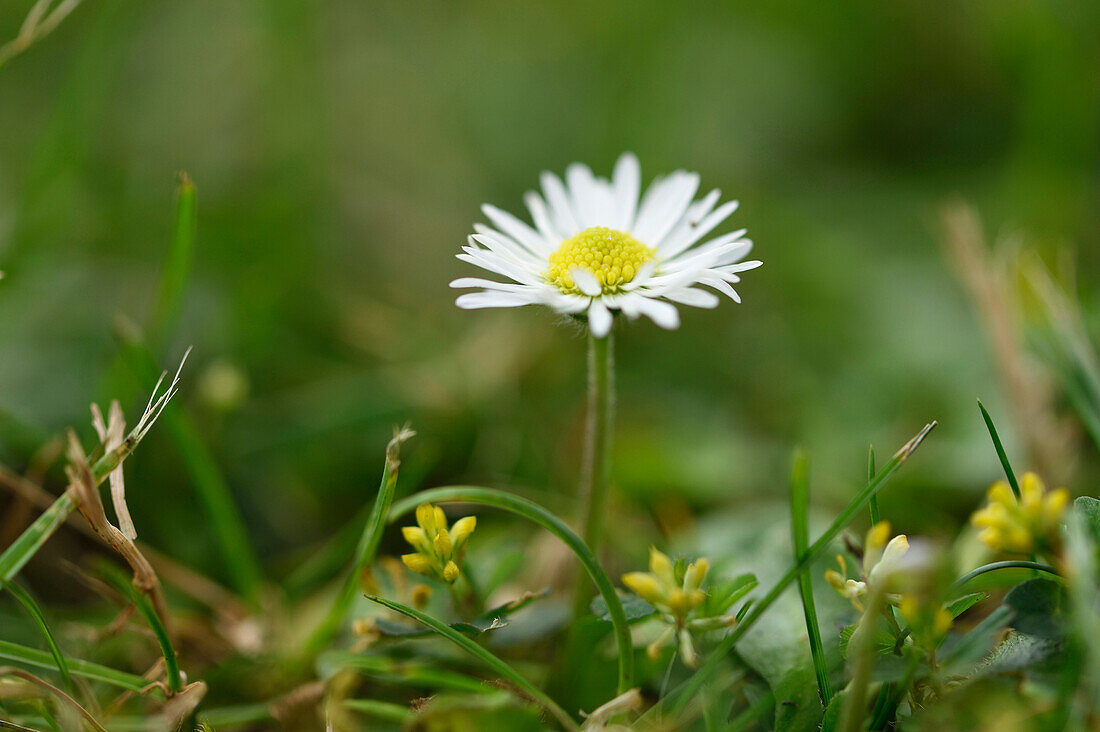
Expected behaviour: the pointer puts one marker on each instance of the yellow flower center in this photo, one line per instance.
(613, 257)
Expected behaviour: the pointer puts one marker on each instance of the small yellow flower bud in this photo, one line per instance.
(418, 563)
(661, 565)
(442, 545)
(425, 516)
(644, 585)
(461, 531)
(440, 519)
(415, 536)
(451, 572)
(695, 574)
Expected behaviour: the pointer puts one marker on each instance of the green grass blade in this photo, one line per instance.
(386, 711)
(177, 264)
(536, 513)
(84, 669)
(368, 545)
(210, 486)
(800, 499)
(873, 503)
(32, 539)
(680, 696)
(1008, 564)
(1001, 455)
(120, 581)
(25, 599)
(498, 666)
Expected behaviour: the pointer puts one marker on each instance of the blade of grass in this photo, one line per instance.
(368, 544)
(873, 503)
(120, 581)
(406, 673)
(497, 665)
(1008, 564)
(177, 264)
(680, 696)
(84, 669)
(386, 711)
(210, 485)
(19, 593)
(32, 539)
(800, 499)
(536, 513)
(1001, 455)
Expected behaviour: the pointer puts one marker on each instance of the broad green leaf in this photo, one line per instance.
(1038, 605)
(635, 608)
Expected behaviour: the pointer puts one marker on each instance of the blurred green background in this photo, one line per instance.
(341, 151)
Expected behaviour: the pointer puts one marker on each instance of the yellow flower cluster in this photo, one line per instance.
(612, 257)
(676, 597)
(1028, 524)
(660, 589)
(438, 549)
(880, 559)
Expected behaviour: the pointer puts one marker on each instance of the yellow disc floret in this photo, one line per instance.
(612, 257)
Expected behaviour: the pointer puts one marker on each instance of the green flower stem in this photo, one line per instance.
(800, 499)
(367, 548)
(536, 513)
(1008, 564)
(596, 467)
(497, 665)
(685, 692)
(861, 648)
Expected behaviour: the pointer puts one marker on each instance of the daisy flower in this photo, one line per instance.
(596, 248)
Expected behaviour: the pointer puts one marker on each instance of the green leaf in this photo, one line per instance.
(723, 595)
(32, 539)
(1038, 604)
(634, 607)
(960, 655)
(1088, 509)
(1001, 455)
(960, 605)
(25, 599)
(884, 641)
(84, 669)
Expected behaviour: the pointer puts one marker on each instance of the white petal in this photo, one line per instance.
(475, 300)
(586, 282)
(627, 182)
(521, 232)
(505, 246)
(464, 282)
(592, 201)
(540, 214)
(495, 263)
(673, 245)
(663, 206)
(561, 210)
(662, 313)
(722, 286)
(692, 296)
(599, 319)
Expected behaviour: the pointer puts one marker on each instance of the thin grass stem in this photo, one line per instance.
(800, 499)
(1001, 455)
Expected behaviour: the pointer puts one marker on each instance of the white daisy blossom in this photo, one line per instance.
(596, 248)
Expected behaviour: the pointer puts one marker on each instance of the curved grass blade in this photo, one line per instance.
(536, 513)
(1001, 455)
(1008, 564)
(84, 669)
(800, 499)
(386, 711)
(368, 544)
(141, 601)
(497, 665)
(25, 599)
